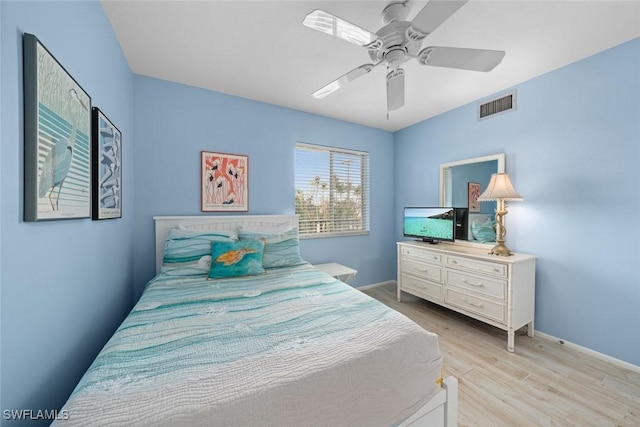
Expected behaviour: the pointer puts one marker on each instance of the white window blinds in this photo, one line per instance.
(332, 190)
(447, 189)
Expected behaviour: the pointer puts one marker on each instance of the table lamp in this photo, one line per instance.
(500, 190)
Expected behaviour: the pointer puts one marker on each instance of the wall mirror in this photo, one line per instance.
(462, 181)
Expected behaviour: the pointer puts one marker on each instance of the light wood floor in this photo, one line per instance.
(542, 384)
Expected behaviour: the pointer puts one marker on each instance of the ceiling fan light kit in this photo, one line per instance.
(399, 41)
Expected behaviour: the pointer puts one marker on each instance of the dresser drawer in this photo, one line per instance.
(422, 270)
(492, 287)
(470, 281)
(422, 255)
(489, 309)
(495, 269)
(421, 288)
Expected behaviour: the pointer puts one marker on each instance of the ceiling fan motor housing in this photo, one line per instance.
(396, 48)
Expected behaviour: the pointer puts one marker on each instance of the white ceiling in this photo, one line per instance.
(260, 50)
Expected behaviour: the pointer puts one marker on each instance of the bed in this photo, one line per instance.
(289, 345)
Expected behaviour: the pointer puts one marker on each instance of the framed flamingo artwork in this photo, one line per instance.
(224, 182)
(57, 133)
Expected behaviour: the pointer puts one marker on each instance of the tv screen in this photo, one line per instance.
(430, 224)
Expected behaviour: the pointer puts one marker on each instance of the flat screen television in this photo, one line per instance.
(430, 224)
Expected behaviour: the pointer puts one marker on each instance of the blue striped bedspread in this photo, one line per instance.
(294, 346)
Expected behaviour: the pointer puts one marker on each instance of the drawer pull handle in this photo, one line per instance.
(422, 270)
(497, 270)
(477, 285)
(478, 304)
(453, 261)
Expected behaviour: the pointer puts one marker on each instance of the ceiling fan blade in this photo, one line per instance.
(343, 80)
(465, 59)
(435, 13)
(337, 27)
(395, 89)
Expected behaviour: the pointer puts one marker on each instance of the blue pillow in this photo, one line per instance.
(483, 231)
(188, 252)
(280, 249)
(235, 259)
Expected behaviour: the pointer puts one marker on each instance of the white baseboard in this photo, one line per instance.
(585, 350)
(593, 353)
(375, 285)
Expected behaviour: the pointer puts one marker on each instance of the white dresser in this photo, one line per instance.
(496, 290)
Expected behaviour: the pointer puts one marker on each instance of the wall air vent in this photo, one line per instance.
(497, 106)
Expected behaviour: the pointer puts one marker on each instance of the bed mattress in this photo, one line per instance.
(291, 347)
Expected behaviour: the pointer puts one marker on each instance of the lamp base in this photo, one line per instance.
(501, 250)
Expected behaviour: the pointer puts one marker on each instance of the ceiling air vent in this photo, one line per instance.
(496, 106)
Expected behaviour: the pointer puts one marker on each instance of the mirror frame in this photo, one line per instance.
(500, 157)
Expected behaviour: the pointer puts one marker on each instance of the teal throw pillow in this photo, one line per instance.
(236, 259)
(280, 249)
(188, 252)
(484, 231)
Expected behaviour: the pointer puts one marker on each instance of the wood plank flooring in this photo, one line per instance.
(542, 384)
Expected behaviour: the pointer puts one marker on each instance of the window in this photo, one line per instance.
(447, 189)
(332, 190)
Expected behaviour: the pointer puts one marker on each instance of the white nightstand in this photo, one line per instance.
(338, 271)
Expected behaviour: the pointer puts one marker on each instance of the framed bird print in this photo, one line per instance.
(106, 171)
(224, 182)
(57, 129)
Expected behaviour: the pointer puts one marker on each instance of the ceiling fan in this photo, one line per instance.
(399, 41)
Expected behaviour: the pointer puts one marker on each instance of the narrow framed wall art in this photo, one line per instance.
(473, 192)
(57, 127)
(224, 182)
(106, 172)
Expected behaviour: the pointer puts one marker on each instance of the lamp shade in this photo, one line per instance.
(500, 188)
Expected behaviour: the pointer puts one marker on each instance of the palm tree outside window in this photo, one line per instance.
(332, 190)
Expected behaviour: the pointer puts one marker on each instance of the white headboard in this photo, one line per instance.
(221, 223)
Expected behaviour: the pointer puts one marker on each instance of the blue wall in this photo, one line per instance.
(572, 151)
(65, 285)
(571, 148)
(174, 123)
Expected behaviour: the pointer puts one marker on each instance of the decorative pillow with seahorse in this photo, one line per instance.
(235, 259)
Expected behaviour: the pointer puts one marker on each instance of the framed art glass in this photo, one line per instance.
(57, 128)
(473, 192)
(224, 182)
(106, 176)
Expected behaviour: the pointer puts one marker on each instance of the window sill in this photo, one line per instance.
(337, 234)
